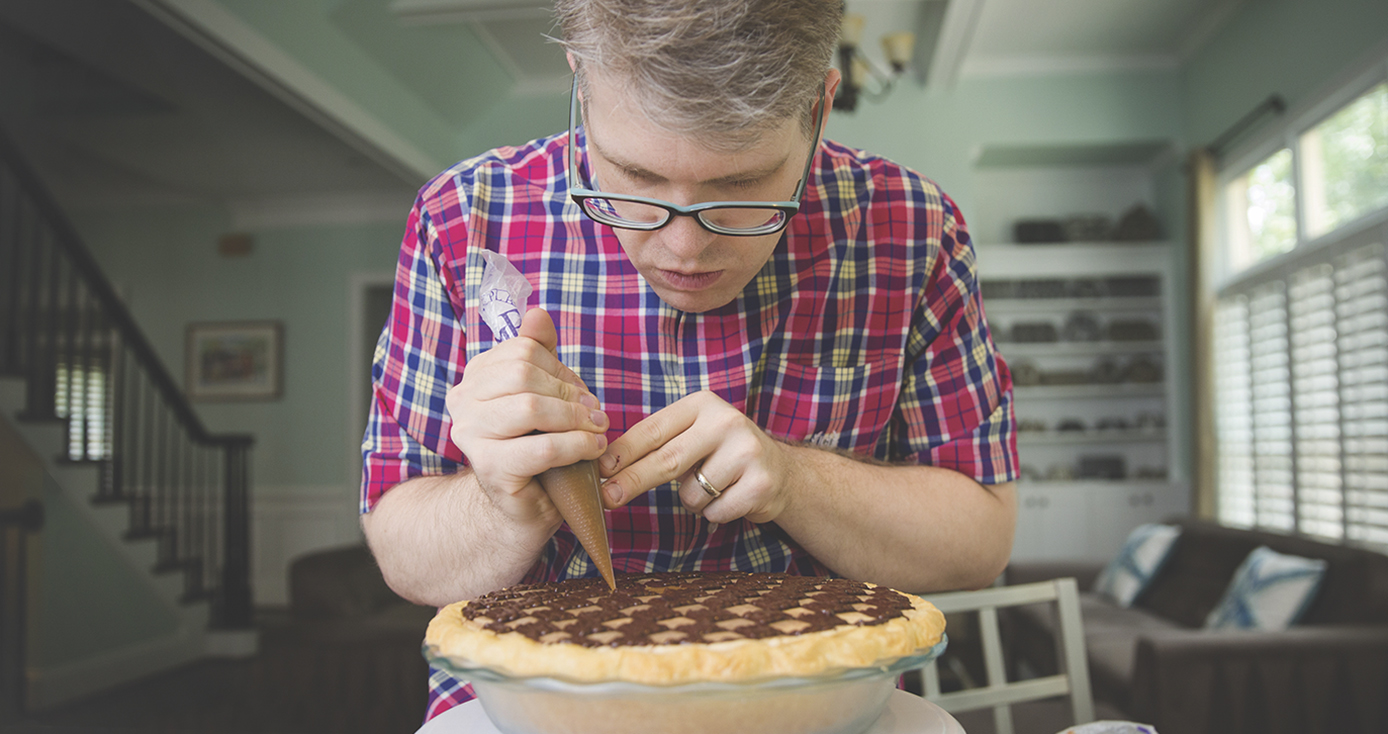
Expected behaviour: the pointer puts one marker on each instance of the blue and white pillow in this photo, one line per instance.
(1270, 591)
(1143, 554)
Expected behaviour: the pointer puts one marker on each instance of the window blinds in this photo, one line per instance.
(1301, 393)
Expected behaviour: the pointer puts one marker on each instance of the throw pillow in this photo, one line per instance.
(1270, 591)
(1147, 548)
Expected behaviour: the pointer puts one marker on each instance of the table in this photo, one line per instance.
(906, 713)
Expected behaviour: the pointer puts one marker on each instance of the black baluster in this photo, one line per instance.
(11, 266)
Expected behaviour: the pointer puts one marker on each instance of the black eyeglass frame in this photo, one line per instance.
(581, 194)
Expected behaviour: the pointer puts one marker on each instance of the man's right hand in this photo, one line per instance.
(519, 411)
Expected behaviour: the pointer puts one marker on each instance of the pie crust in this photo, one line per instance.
(670, 629)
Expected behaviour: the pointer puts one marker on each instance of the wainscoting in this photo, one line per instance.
(288, 521)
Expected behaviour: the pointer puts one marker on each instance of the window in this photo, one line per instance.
(1267, 201)
(1345, 163)
(1301, 329)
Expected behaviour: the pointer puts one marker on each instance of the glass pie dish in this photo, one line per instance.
(837, 702)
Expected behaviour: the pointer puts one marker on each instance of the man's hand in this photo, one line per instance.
(517, 412)
(701, 433)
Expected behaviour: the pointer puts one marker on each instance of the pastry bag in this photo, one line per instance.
(575, 488)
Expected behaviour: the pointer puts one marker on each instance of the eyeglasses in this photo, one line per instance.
(736, 218)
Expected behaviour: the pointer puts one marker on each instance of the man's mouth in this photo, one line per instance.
(690, 281)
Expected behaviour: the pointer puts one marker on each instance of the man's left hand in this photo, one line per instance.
(701, 433)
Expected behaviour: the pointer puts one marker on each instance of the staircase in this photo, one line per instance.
(87, 392)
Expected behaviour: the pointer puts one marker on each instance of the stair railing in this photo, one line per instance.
(87, 364)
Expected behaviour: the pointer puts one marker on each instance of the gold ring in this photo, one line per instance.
(703, 481)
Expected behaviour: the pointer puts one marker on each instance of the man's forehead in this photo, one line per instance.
(621, 133)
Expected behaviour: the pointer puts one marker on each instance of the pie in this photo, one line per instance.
(677, 628)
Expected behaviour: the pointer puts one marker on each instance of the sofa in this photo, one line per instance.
(1156, 662)
(347, 657)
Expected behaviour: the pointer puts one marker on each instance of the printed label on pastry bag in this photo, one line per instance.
(573, 489)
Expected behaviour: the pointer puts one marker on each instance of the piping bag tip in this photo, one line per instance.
(575, 491)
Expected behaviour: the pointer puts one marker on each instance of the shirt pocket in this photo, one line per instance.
(843, 407)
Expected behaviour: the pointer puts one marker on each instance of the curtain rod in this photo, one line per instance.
(1274, 104)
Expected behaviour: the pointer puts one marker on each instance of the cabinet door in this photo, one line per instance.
(1116, 510)
(1052, 524)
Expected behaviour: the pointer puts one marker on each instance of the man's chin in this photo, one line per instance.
(694, 302)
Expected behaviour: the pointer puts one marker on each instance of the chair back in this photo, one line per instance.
(999, 694)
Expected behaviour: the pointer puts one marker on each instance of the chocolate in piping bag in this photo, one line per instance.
(574, 489)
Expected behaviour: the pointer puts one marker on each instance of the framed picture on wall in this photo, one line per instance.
(241, 360)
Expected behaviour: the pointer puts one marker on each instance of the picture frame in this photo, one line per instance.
(234, 360)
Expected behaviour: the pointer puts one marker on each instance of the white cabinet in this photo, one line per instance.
(1086, 330)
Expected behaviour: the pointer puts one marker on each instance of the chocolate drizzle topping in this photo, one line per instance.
(675, 608)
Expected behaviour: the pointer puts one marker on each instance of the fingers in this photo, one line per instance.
(659, 449)
(518, 411)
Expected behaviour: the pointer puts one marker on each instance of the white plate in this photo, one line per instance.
(905, 714)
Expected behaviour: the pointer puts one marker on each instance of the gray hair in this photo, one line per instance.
(722, 71)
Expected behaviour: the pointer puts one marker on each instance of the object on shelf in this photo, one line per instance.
(1087, 228)
(1111, 424)
(1133, 330)
(1143, 370)
(1060, 473)
(1064, 377)
(1101, 467)
(1029, 473)
(1082, 327)
(1042, 288)
(1034, 332)
(1137, 286)
(1038, 231)
(1151, 472)
(997, 289)
(1151, 420)
(1107, 371)
(1086, 288)
(1025, 372)
(1031, 425)
(1070, 424)
(1138, 224)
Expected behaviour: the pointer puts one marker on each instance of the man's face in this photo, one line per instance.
(689, 267)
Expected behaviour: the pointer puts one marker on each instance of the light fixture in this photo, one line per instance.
(863, 76)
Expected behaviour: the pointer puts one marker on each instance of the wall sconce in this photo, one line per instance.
(862, 75)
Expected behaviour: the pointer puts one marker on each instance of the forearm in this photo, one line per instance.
(441, 539)
(914, 528)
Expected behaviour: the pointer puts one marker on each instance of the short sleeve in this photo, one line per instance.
(956, 408)
(419, 356)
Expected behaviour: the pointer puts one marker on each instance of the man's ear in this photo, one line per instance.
(831, 81)
(573, 65)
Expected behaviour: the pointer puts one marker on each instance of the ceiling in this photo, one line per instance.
(123, 109)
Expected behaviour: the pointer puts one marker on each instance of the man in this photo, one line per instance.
(774, 345)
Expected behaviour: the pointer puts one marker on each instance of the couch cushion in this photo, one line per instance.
(1110, 638)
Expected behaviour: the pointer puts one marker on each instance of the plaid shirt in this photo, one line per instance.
(864, 331)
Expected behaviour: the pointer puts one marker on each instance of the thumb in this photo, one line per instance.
(537, 325)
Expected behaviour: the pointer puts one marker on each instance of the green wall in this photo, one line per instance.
(91, 601)
(1287, 47)
(165, 263)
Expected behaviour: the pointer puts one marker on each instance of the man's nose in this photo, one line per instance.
(686, 238)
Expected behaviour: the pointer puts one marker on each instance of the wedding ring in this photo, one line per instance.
(703, 481)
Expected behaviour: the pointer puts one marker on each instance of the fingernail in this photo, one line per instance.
(599, 418)
(608, 462)
(613, 493)
(588, 400)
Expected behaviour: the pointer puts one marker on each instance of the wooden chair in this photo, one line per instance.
(999, 694)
